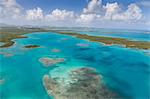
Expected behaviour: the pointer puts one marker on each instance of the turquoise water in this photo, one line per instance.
(126, 71)
(129, 34)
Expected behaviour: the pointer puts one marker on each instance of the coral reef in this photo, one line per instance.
(2, 81)
(55, 50)
(46, 61)
(82, 45)
(6, 54)
(83, 83)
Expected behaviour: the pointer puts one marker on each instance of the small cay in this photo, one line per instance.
(31, 46)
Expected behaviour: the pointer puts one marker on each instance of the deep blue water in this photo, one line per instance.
(124, 70)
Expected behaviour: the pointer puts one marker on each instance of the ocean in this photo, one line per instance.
(126, 71)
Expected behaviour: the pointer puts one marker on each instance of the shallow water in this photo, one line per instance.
(128, 34)
(124, 70)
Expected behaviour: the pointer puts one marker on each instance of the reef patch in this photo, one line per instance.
(55, 50)
(82, 83)
(46, 61)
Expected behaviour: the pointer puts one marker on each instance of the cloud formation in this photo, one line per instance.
(60, 15)
(95, 13)
(10, 9)
(111, 10)
(93, 6)
(87, 18)
(114, 12)
(34, 14)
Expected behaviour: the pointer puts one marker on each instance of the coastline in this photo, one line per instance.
(8, 35)
(93, 57)
(110, 40)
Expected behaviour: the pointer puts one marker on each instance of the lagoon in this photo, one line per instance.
(125, 70)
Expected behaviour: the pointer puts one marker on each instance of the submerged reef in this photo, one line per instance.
(46, 61)
(2, 81)
(6, 54)
(64, 39)
(110, 40)
(82, 45)
(81, 83)
(55, 50)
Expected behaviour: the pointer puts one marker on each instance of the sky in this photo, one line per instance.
(130, 14)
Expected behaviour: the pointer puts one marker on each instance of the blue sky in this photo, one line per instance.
(75, 5)
(92, 13)
(49, 5)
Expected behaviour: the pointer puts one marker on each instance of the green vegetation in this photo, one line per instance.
(7, 34)
(110, 40)
(32, 46)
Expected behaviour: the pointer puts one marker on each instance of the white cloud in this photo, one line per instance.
(56, 15)
(60, 15)
(111, 10)
(86, 18)
(93, 6)
(94, 11)
(10, 9)
(133, 13)
(95, 14)
(34, 14)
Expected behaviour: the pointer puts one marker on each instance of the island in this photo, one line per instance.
(31, 46)
(7, 34)
(110, 40)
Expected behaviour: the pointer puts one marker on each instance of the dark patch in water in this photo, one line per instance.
(83, 49)
(120, 85)
(89, 58)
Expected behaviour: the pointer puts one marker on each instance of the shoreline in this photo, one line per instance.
(16, 33)
(110, 40)
(7, 35)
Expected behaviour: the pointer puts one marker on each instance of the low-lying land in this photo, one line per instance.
(7, 35)
(110, 40)
(32, 46)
